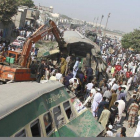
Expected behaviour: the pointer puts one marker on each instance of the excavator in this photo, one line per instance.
(20, 71)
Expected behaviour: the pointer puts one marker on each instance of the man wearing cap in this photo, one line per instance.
(121, 108)
(111, 82)
(91, 96)
(109, 133)
(132, 111)
(96, 101)
(88, 89)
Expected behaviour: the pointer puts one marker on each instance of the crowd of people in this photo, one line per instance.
(24, 34)
(18, 44)
(110, 97)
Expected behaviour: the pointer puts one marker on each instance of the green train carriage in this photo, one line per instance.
(30, 109)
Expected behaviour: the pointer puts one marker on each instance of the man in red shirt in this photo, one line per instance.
(118, 67)
(128, 74)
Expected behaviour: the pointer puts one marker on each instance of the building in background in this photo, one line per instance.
(46, 9)
(20, 17)
(31, 17)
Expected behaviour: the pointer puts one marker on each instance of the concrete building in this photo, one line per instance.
(47, 9)
(77, 21)
(20, 17)
(113, 34)
(31, 16)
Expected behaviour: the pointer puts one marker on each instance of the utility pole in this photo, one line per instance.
(101, 21)
(96, 22)
(106, 24)
(39, 6)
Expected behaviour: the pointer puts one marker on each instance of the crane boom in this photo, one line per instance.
(40, 33)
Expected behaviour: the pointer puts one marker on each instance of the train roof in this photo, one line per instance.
(15, 95)
(71, 37)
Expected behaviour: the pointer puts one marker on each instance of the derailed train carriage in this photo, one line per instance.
(80, 46)
(29, 109)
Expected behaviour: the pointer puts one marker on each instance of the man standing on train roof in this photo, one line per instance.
(40, 71)
(76, 67)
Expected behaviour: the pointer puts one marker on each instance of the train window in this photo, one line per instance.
(48, 123)
(21, 134)
(68, 110)
(35, 129)
(58, 116)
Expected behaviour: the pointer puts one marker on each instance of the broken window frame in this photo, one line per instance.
(69, 107)
(51, 123)
(62, 115)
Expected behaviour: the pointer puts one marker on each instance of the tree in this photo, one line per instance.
(8, 8)
(28, 3)
(132, 40)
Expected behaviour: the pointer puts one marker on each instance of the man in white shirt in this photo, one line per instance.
(115, 86)
(109, 133)
(71, 81)
(0, 47)
(33, 45)
(107, 94)
(96, 100)
(28, 34)
(88, 89)
(3, 44)
(32, 55)
(89, 86)
(76, 67)
(121, 108)
(91, 96)
(110, 82)
(93, 91)
(13, 49)
(58, 75)
(129, 82)
(53, 77)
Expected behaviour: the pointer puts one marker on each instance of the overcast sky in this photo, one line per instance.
(125, 14)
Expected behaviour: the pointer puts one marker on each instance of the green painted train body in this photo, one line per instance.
(29, 109)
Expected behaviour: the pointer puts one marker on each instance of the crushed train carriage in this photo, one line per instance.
(29, 109)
